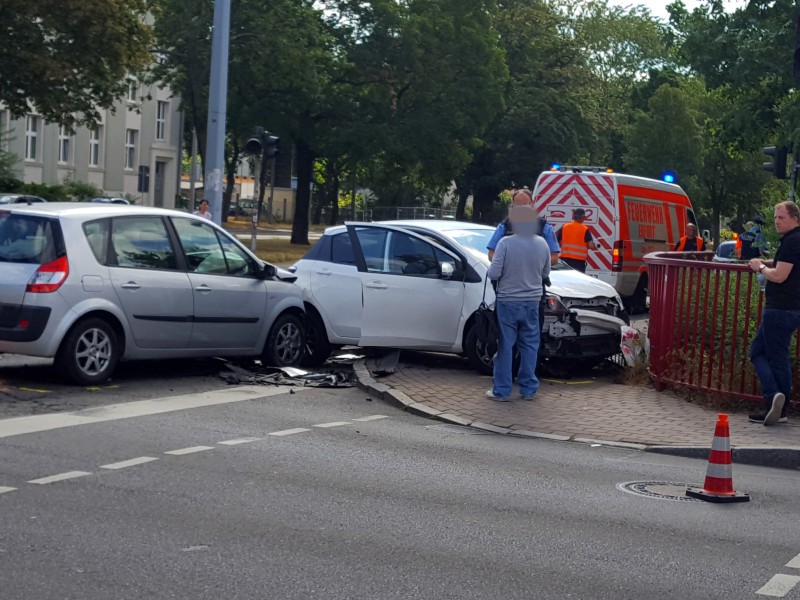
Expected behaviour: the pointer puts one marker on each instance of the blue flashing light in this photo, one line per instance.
(555, 166)
(668, 176)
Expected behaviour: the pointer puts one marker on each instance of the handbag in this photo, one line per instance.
(487, 328)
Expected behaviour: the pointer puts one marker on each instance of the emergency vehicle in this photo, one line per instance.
(628, 216)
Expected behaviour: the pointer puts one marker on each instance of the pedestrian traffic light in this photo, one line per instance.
(777, 166)
(270, 145)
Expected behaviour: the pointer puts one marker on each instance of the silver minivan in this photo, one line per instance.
(91, 284)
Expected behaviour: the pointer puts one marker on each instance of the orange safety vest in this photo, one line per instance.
(682, 244)
(573, 241)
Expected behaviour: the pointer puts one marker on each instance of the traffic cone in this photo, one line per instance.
(718, 486)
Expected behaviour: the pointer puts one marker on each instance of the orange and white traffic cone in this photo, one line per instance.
(718, 486)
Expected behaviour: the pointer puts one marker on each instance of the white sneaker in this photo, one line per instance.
(774, 413)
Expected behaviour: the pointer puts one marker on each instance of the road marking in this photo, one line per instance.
(779, 585)
(4, 490)
(59, 477)
(127, 410)
(333, 424)
(371, 418)
(794, 563)
(289, 431)
(246, 440)
(27, 389)
(191, 450)
(129, 463)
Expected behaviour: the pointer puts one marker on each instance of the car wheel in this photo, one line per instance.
(89, 353)
(479, 354)
(285, 342)
(637, 303)
(318, 348)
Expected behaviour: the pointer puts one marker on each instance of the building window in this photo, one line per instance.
(133, 88)
(64, 140)
(94, 146)
(161, 120)
(31, 133)
(130, 148)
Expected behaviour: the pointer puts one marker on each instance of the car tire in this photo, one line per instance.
(478, 354)
(637, 303)
(285, 345)
(89, 353)
(318, 348)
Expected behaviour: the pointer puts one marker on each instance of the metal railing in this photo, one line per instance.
(703, 317)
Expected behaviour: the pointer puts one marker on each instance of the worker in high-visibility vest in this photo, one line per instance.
(576, 240)
(690, 242)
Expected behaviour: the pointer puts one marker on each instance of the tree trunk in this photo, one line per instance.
(305, 170)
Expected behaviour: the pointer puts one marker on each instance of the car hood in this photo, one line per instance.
(573, 284)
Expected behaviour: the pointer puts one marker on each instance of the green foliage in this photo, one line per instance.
(79, 191)
(65, 59)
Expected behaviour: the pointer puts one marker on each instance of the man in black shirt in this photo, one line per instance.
(769, 352)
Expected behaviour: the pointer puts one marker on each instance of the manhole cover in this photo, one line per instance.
(664, 490)
(447, 428)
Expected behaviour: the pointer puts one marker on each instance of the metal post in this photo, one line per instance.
(256, 196)
(793, 178)
(193, 172)
(270, 218)
(217, 107)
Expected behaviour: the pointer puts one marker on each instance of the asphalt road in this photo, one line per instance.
(331, 494)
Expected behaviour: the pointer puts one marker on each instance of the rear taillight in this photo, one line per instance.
(48, 278)
(616, 256)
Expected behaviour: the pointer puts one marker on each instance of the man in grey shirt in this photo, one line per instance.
(520, 264)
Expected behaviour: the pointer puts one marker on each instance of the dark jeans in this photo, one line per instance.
(578, 265)
(769, 353)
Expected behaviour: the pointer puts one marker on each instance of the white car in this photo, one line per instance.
(417, 284)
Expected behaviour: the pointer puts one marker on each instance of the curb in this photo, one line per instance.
(778, 457)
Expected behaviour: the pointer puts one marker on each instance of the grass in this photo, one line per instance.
(276, 250)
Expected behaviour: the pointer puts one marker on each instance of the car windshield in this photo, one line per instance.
(726, 251)
(471, 239)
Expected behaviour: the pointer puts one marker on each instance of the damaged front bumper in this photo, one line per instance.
(582, 334)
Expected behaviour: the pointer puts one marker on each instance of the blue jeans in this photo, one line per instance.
(519, 324)
(769, 352)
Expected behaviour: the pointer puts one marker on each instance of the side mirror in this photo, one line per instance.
(267, 271)
(447, 270)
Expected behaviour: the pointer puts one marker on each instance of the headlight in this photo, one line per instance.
(554, 306)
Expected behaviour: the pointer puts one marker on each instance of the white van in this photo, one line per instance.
(629, 216)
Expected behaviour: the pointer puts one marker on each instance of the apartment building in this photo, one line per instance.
(134, 150)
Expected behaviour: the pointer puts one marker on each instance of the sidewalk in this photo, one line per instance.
(593, 409)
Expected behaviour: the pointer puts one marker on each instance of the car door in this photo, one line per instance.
(230, 301)
(407, 303)
(155, 295)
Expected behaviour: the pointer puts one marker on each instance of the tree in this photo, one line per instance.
(65, 59)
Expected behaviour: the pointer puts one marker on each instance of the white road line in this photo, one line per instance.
(289, 431)
(372, 418)
(779, 585)
(127, 410)
(794, 563)
(59, 477)
(4, 490)
(246, 440)
(129, 463)
(190, 450)
(333, 424)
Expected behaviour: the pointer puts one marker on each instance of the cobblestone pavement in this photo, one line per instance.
(591, 407)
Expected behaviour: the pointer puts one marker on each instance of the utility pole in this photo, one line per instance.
(217, 107)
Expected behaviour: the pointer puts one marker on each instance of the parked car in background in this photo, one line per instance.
(89, 285)
(243, 208)
(108, 200)
(20, 199)
(726, 252)
(417, 285)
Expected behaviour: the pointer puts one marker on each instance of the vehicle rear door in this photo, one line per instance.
(154, 293)
(407, 302)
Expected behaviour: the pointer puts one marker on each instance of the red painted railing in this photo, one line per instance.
(703, 317)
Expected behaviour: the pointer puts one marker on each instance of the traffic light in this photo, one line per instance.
(270, 145)
(255, 143)
(777, 166)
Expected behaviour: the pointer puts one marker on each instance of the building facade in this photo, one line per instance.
(133, 151)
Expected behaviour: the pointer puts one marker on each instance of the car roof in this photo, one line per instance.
(87, 209)
(432, 224)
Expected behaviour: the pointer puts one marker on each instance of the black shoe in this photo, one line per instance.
(761, 417)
